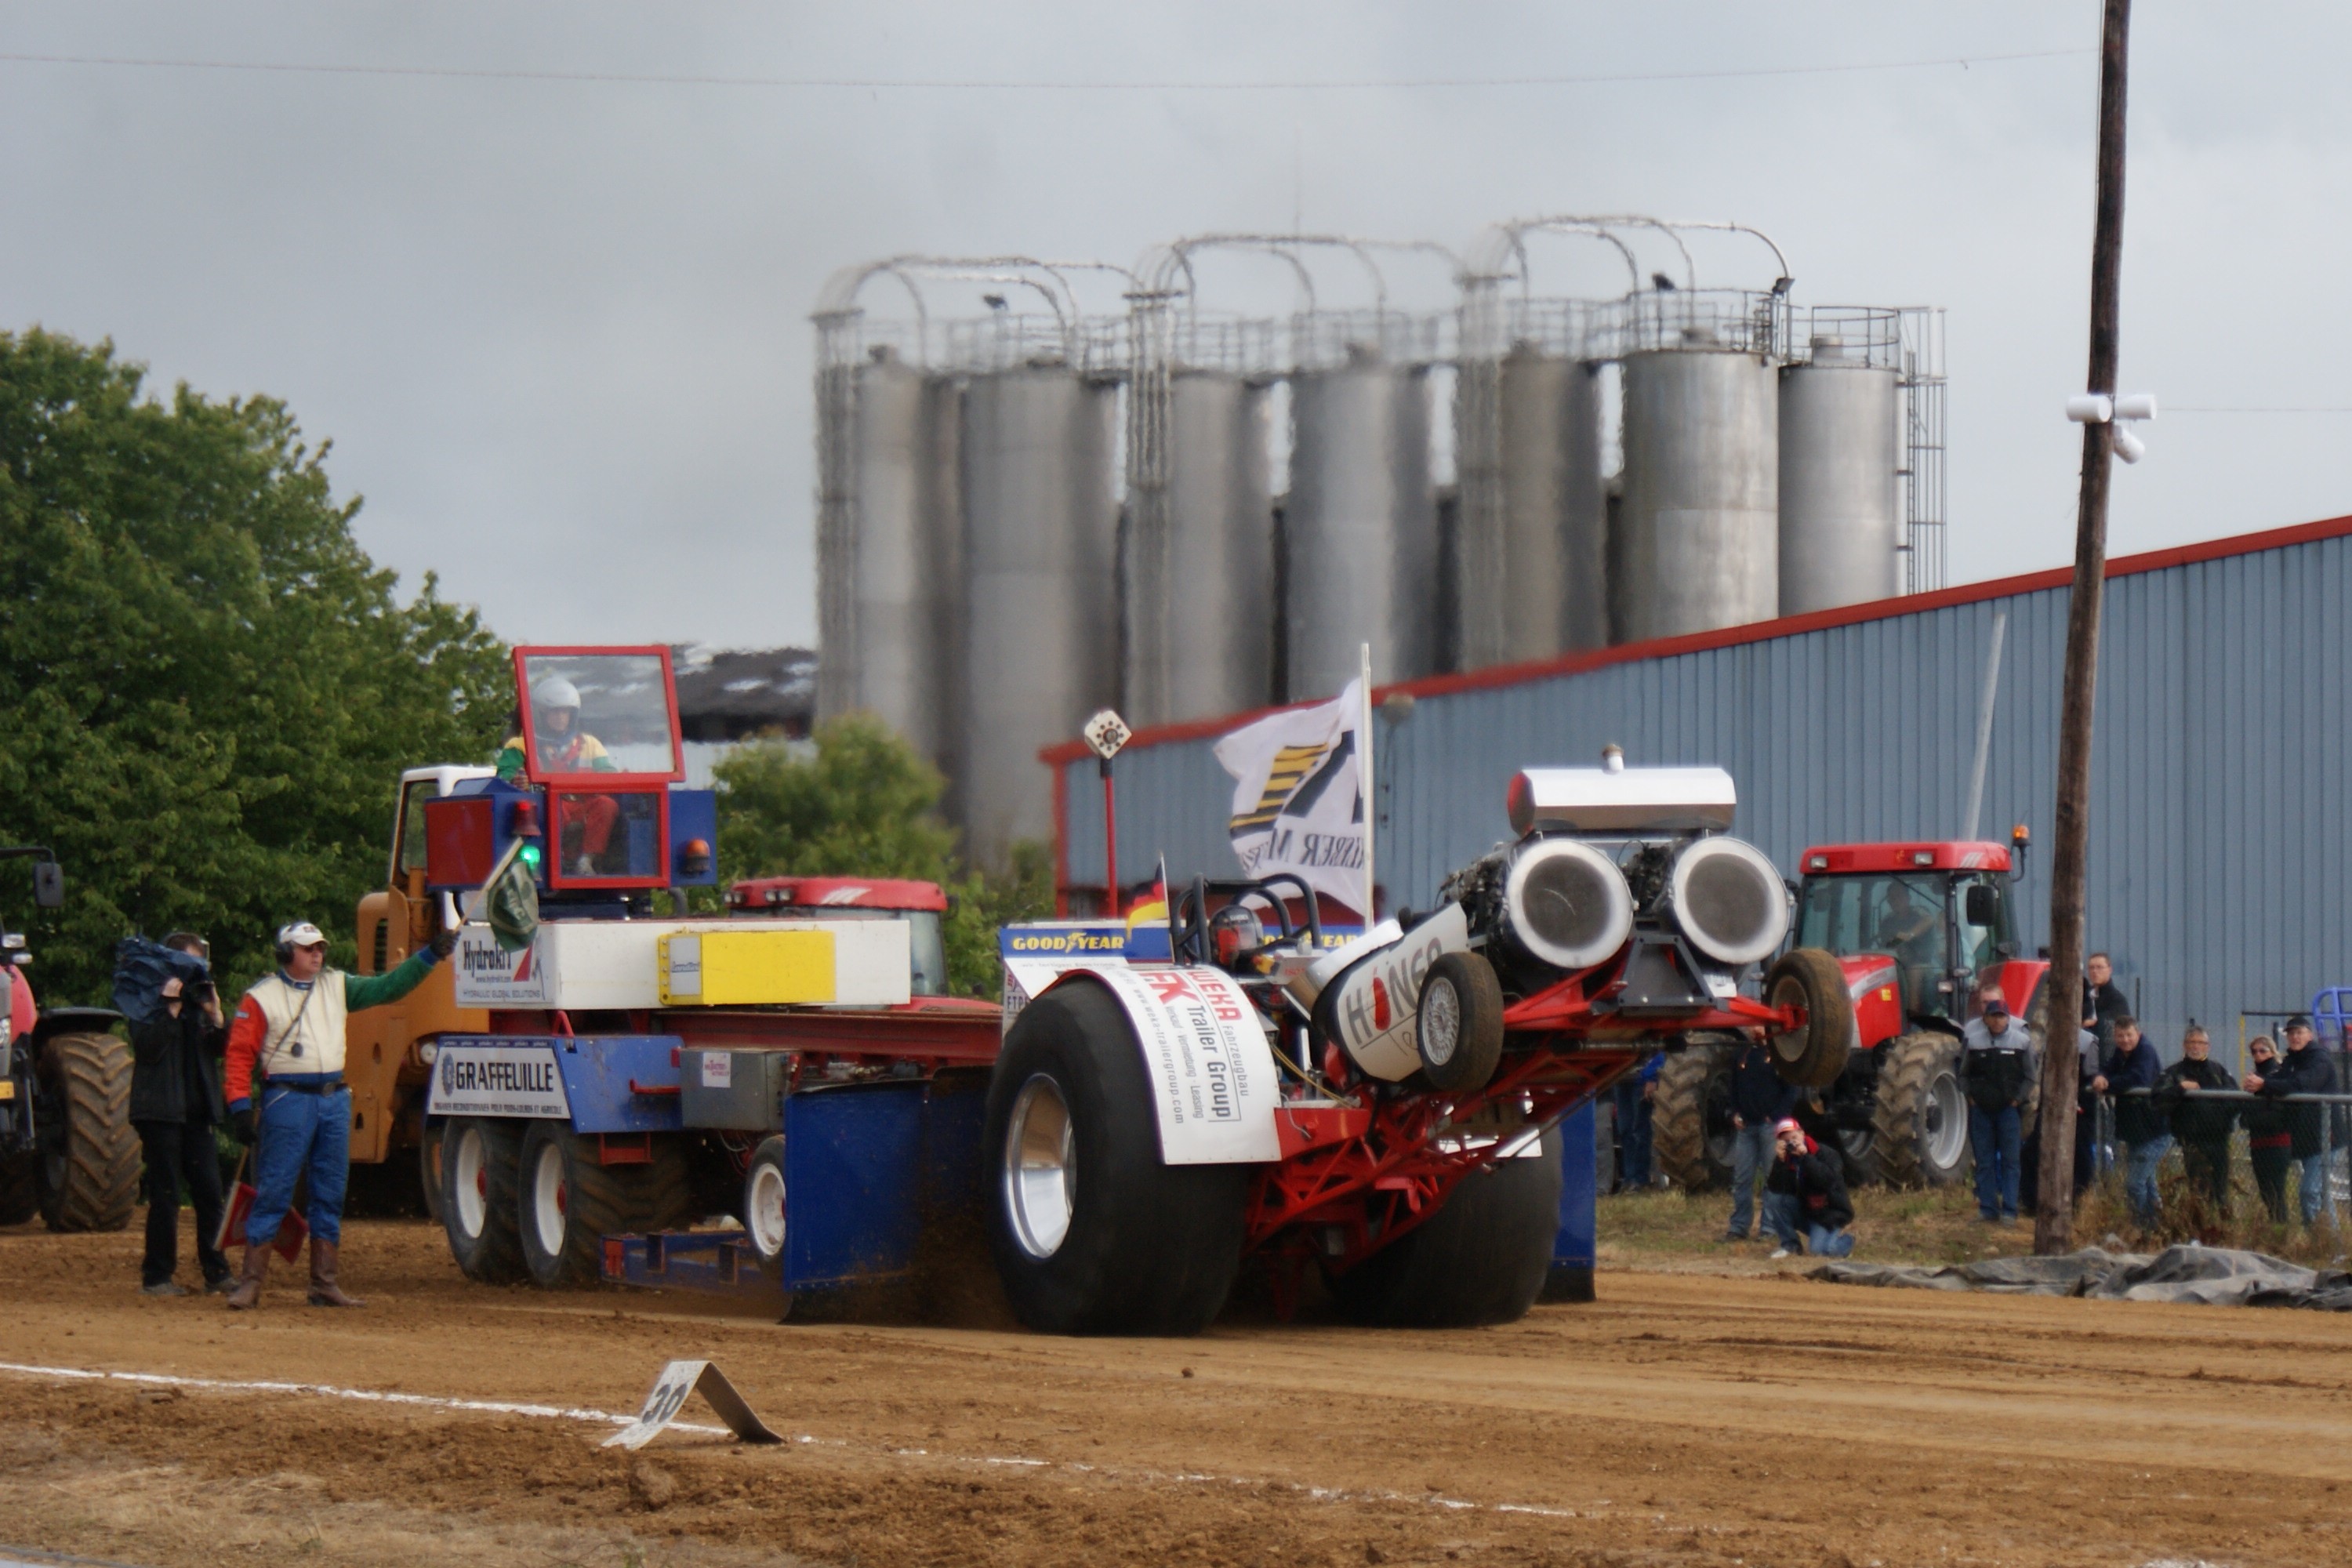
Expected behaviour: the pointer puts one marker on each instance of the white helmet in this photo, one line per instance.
(555, 693)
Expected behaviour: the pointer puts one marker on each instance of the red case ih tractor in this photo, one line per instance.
(67, 1151)
(1916, 929)
(1383, 1111)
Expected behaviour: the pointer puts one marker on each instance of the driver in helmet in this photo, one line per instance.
(563, 747)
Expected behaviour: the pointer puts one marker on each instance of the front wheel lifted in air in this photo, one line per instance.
(1458, 1027)
(1091, 1232)
(1814, 1053)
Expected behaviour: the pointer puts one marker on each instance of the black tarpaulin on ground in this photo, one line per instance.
(2207, 1276)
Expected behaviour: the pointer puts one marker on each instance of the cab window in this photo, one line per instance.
(1981, 943)
(413, 797)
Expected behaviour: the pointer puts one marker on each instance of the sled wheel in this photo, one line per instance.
(1481, 1258)
(1690, 1116)
(1458, 1026)
(763, 1205)
(569, 1201)
(428, 1166)
(1811, 1055)
(481, 1159)
(88, 1176)
(1092, 1233)
(1919, 1120)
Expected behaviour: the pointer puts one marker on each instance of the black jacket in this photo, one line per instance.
(1759, 1093)
(175, 1069)
(2137, 1117)
(1817, 1179)
(2307, 1071)
(2104, 1004)
(2265, 1118)
(2195, 1118)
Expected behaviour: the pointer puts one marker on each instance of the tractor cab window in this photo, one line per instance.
(409, 854)
(1980, 916)
(597, 712)
(1900, 915)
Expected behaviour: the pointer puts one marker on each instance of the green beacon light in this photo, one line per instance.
(529, 856)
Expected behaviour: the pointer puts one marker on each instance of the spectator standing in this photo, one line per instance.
(2305, 1069)
(1633, 1096)
(1760, 1100)
(2103, 1000)
(1809, 1182)
(2139, 1122)
(1997, 1067)
(175, 1100)
(2270, 1139)
(2202, 1123)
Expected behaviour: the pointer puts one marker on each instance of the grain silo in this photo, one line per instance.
(1041, 628)
(1218, 653)
(1841, 474)
(1361, 532)
(1699, 527)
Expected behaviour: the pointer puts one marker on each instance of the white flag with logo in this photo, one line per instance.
(1298, 803)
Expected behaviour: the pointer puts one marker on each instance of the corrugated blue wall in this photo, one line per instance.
(2219, 822)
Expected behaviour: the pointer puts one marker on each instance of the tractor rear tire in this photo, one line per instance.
(569, 1201)
(1919, 1121)
(20, 1194)
(1813, 1055)
(1690, 1117)
(1458, 1024)
(88, 1177)
(481, 1208)
(1481, 1258)
(1091, 1232)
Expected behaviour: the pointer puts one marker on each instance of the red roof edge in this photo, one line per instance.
(1065, 752)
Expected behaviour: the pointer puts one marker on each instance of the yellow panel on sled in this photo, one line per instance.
(745, 968)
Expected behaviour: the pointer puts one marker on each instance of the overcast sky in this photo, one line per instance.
(558, 330)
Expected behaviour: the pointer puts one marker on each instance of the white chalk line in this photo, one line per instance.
(607, 1418)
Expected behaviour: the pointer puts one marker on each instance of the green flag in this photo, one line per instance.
(510, 904)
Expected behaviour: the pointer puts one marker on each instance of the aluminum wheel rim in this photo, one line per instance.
(1040, 1168)
(764, 1199)
(1440, 1024)
(1946, 1131)
(550, 1199)
(472, 1205)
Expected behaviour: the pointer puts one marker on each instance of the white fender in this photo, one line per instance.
(1205, 1051)
(1371, 1005)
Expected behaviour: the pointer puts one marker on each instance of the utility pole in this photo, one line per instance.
(2053, 1224)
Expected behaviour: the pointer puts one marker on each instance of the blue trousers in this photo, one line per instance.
(301, 1133)
(2314, 1189)
(1993, 1138)
(2139, 1177)
(1632, 1133)
(1780, 1218)
(1751, 1156)
(1824, 1242)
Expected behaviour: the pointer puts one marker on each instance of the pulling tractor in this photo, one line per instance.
(67, 1151)
(1383, 1113)
(1918, 929)
(631, 1068)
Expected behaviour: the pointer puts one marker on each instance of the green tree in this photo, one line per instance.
(860, 803)
(208, 689)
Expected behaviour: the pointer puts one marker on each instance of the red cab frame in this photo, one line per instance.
(677, 774)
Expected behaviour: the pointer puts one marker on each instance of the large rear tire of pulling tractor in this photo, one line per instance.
(481, 1158)
(569, 1201)
(1479, 1259)
(1919, 1118)
(1690, 1116)
(1092, 1233)
(88, 1175)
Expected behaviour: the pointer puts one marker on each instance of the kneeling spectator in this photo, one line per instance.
(2199, 1121)
(1804, 1197)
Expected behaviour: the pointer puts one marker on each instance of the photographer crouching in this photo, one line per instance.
(174, 1102)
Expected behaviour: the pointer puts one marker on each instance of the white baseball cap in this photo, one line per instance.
(300, 934)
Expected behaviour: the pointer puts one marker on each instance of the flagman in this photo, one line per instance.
(290, 1030)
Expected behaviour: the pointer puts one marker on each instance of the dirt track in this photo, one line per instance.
(1683, 1419)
